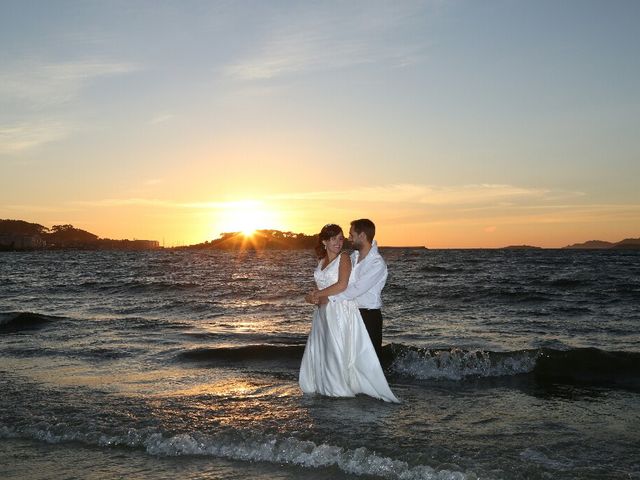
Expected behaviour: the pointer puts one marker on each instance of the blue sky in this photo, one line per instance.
(451, 123)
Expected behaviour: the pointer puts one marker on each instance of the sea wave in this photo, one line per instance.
(16, 321)
(252, 447)
(589, 365)
(457, 364)
(582, 365)
(574, 365)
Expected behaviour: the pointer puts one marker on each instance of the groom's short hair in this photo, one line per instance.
(365, 225)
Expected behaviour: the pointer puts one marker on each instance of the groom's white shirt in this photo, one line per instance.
(366, 281)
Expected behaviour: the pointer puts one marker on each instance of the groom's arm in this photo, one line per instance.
(375, 273)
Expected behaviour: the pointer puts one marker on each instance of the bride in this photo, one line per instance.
(339, 359)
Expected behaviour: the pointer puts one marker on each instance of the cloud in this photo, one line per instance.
(154, 202)
(31, 90)
(532, 214)
(43, 84)
(468, 198)
(162, 118)
(39, 209)
(333, 37)
(488, 206)
(404, 204)
(125, 202)
(425, 194)
(299, 52)
(23, 136)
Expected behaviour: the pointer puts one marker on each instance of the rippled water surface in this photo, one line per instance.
(509, 364)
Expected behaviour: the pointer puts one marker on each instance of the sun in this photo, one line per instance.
(248, 222)
(247, 216)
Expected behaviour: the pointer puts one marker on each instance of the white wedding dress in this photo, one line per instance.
(339, 359)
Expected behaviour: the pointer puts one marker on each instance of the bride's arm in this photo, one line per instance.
(344, 271)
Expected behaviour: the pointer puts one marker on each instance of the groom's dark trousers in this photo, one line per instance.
(372, 318)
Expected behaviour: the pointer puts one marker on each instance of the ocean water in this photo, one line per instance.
(175, 364)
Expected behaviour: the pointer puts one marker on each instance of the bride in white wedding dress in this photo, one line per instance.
(339, 359)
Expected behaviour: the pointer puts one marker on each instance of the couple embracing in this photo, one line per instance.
(342, 355)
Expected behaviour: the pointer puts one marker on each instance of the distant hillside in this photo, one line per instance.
(259, 240)
(21, 235)
(521, 247)
(592, 244)
(629, 243)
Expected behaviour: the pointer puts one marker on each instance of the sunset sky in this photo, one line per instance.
(449, 123)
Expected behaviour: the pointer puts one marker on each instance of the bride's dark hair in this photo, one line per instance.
(328, 231)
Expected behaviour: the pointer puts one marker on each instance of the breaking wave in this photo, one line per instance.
(254, 447)
(457, 364)
(580, 365)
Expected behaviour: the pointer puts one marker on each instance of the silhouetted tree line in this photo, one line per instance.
(20, 227)
(21, 235)
(259, 240)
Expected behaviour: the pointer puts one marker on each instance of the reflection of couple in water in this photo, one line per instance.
(342, 356)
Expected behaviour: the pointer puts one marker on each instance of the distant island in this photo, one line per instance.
(592, 244)
(626, 244)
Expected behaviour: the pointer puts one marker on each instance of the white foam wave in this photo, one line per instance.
(254, 448)
(457, 364)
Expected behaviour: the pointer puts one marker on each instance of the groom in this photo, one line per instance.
(368, 277)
